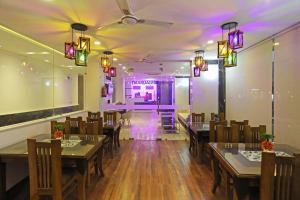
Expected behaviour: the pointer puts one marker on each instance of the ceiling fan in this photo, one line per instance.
(130, 18)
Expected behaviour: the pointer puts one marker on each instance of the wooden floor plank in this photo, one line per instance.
(154, 170)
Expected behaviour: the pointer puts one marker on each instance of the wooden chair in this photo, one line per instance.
(74, 124)
(252, 134)
(46, 177)
(241, 127)
(280, 177)
(198, 117)
(66, 125)
(222, 116)
(94, 115)
(100, 124)
(95, 163)
(213, 128)
(110, 117)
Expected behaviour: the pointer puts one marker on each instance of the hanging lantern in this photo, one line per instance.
(105, 69)
(236, 39)
(81, 57)
(112, 72)
(223, 49)
(205, 66)
(231, 60)
(105, 61)
(199, 58)
(197, 72)
(78, 52)
(84, 44)
(70, 50)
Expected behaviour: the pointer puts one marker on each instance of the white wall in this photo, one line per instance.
(287, 88)
(93, 89)
(182, 92)
(204, 91)
(249, 86)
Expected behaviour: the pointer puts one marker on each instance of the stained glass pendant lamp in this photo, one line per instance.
(84, 44)
(70, 48)
(205, 66)
(236, 38)
(106, 61)
(231, 60)
(112, 72)
(224, 45)
(81, 57)
(79, 51)
(199, 58)
(197, 72)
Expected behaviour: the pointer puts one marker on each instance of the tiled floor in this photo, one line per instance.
(146, 125)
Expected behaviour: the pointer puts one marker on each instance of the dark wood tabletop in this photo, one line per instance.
(73, 146)
(242, 160)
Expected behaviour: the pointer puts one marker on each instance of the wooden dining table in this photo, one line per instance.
(78, 148)
(242, 161)
(201, 132)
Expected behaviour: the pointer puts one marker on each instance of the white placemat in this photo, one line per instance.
(255, 156)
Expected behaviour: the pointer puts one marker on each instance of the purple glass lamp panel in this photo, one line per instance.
(236, 39)
(136, 87)
(70, 50)
(197, 72)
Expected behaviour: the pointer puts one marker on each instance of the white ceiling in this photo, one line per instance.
(195, 22)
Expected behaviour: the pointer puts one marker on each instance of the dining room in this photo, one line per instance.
(171, 99)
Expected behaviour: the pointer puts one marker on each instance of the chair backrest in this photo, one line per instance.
(223, 133)
(252, 134)
(198, 117)
(110, 117)
(212, 129)
(279, 177)
(44, 161)
(89, 128)
(241, 125)
(100, 124)
(212, 116)
(74, 124)
(234, 136)
(94, 115)
(66, 125)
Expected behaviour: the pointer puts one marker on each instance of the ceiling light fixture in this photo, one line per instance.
(199, 58)
(78, 51)
(197, 72)
(210, 42)
(115, 59)
(97, 43)
(231, 60)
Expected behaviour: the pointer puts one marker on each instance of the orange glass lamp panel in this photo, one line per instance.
(199, 61)
(106, 69)
(223, 49)
(84, 44)
(105, 62)
(205, 66)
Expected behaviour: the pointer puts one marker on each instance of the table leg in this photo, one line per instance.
(190, 148)
(111, 145)
(2, 180)
(99, 162)
(241, 189)
(82, 169)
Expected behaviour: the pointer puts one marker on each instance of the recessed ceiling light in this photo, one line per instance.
(123, 67)
(210, 42)
(97, 42)
(276, 44)
(120, 64)
(46, 60)
(45, 52)
(30, 52)
(115, 59)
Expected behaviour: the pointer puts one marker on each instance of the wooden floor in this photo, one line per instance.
(154, 170)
